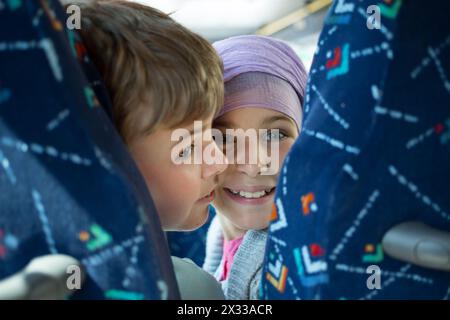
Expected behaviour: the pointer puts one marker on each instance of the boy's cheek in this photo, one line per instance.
(178, 193)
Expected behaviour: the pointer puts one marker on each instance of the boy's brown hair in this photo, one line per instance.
(157, 72)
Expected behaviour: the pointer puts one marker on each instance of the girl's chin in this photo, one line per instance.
(253, 225)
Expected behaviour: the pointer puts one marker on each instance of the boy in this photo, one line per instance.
(160, 76)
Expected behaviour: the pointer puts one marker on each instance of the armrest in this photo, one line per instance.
(419, 244)
(44, 278)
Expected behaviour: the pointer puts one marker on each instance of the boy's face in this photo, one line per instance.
(244, 196)
(181, 193)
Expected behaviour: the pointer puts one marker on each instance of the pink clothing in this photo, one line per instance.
(230, 247)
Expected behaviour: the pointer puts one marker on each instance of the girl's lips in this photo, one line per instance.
(207, 199)
(248, 188)
(246, 201)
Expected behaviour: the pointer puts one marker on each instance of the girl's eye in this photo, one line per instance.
(186, 152)
(274, 135)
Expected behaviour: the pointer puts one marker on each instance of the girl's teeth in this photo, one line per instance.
(250, 195)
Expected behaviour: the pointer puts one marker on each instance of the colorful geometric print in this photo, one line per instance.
(373, 152)
(277, 276)
(390, 8)
(339, 64)
(67, 182)
(309, 272)
(101, 238)
(308, 204)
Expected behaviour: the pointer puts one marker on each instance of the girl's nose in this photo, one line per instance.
(253, 160)
(216, 167)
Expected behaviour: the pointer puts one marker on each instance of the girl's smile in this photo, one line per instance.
(255, 195)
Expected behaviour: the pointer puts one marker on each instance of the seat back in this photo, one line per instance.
(374, 152)
(67, 182)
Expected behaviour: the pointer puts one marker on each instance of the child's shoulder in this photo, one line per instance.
(245, 274)
(195, 283)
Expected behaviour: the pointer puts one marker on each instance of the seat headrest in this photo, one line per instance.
(69, 185)
(374, 152)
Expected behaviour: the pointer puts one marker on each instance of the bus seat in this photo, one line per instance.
(369, 176)
(67, 183)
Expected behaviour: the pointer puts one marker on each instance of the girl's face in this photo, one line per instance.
(244, 196)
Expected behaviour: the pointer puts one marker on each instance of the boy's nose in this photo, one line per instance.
(209, 170)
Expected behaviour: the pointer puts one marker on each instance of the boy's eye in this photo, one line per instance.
(186, 152)
(274, 135)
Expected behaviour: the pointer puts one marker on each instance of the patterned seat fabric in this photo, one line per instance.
(374, 152)
(67, 182)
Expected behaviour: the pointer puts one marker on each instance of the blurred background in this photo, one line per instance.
(296, 21)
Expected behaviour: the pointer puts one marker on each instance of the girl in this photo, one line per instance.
(264, 89)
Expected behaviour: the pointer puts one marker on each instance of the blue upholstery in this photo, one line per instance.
(374, 152)
(191, 244)
(67, 183)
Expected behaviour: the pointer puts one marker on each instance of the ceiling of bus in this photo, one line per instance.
(218, 19)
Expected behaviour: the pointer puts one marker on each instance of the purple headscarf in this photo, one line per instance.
(257, 70)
